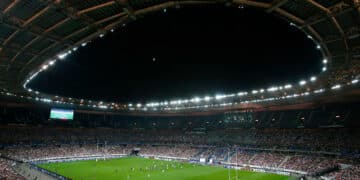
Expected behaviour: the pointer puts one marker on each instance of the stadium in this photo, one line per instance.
(147, 116)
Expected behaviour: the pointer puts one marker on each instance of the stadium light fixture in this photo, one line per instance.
(84, 44)
(288, 86)
(44, 67)
(338, 86)
(272, 89)
(219, 97)
(207, 98)
(242, 93)
(302, 82)
(196, 100)
(313, 79)
(52, 62)
(103, 107)
(318, 47)
(254, 91)
(62, 56)
(319, 91)
(355, 81)
(325, 61)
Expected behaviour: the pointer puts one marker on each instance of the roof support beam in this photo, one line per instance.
(338, 13)
(85, 39)
(253, 3)
(18, 28)
(290, 16)
(95, 7)
(276, 4)
(42, 52)
(111, 17)
(24, 25)
(24, 48)
(79, 15)
(357, 4)
(56, 25)
(126, 8)
(11, 5)
(15, 48)
(312, 30)
(175, 3)
(314, 3)
(7, 40)
(96, 23)
(70, 14)
(77, 32)
(31, 19)
(336, 23)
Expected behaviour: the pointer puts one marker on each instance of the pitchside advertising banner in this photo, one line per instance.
(62, 114)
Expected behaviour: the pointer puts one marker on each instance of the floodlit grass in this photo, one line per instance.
(142, 168)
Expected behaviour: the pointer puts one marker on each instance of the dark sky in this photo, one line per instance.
(199, 51)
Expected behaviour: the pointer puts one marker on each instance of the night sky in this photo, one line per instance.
(198, 51)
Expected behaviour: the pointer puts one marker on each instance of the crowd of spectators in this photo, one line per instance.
(337, 140)
(27, 153)
(307, 150)
(309, 163)
(182, 151)
(242, 157)
(7, 172)
(350, 173)
(268, 159)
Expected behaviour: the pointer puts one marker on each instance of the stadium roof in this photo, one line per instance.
(33, 32)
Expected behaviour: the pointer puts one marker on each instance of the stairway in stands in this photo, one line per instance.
(284, 161)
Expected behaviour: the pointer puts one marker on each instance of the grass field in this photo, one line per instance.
(141, 168)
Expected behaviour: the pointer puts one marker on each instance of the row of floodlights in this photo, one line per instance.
(63, 55)
(221, 97)
(153, 106)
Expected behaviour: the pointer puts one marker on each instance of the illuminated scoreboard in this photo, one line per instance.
(62, 114)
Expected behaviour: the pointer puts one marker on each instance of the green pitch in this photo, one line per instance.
(146, 169)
